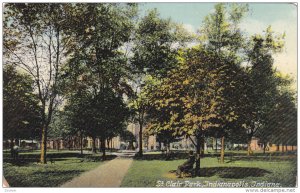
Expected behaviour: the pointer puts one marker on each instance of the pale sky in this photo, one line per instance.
(281, 16)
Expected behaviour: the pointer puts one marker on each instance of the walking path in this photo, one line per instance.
(109, 174)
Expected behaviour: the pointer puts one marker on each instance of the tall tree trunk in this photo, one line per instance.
(141, 140)
(108, 143)
(43, 158)
(102, 142)
(292, 147)
(159, 146)
(222, 149)
(282, 147)
(69, 143)
(58, 145)
(216, 150)
(277, 147)
(12, 147)
(81, 143)
(249, 151)
(168, 148)
(94, 149)
(286, 147)
(111, 144)
(198, 149)
(265, 146)
(32, 146)
(202, 147)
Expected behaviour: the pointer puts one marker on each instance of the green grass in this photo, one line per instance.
(146, 173)
(31, 174)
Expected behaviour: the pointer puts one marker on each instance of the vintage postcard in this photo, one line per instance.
(150, 95)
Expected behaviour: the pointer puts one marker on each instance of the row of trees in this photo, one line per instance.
(94, 67)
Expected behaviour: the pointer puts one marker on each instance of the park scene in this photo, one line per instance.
(198, 95)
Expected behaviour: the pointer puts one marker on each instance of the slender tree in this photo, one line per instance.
(34, 41)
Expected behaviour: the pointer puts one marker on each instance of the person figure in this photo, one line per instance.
(186, 165)
(15, 152)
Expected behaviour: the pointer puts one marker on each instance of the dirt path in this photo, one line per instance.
(109, 174)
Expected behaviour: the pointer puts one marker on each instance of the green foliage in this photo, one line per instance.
(21, 112)
(97, 54)
(154, 44)
(220, 28)
(263, 86)
(102, 115)
(198, 95)
(127, 136)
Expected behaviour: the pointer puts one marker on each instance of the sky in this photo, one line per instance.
(281, 16)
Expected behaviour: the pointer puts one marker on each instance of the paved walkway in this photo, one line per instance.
(109, 174)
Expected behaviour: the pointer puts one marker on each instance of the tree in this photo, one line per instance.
(283, 117)
(222, 35)
(154, 54)
(34, 40)
(196, 97)
(221, 31)
(139, 104)
(98, 66)
(60, 127)
(262, 85)
(100, 116)
(21, 115)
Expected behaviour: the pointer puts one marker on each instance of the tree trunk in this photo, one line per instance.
(286, 147)
(159, 146)
(108, 143)
(94, 149)
(202, 147)
(103, 148)
(111, 144)
(12, 147)
(277, 147)
(222, 149)
(141, 140)
(198, 149)
(32, 146)
(282, 147)
(265, 146)
(292, 147)
(43, 158)
(81, 144)
(168, 148)
(249, 151)
(216, 150)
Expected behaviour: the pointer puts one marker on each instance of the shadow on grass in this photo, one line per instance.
(29, 160)
(233, 172)
(50, 178)
(58, 173)
(263, 158)
(230, 172)
(165, 157)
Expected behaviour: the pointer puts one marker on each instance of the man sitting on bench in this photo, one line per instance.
(188, 165)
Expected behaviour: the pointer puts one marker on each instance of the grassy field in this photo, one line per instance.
(256, 169)
(28, 173)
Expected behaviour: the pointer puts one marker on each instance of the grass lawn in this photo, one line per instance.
(281, 169)
(67, 165)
